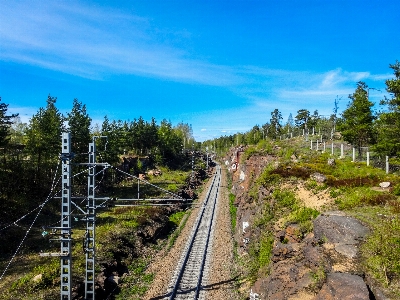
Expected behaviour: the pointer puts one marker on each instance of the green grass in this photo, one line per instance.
(135, 285)
(304, 217)
(259, 256)
(232, 210)
(179, 219)
(381, 254)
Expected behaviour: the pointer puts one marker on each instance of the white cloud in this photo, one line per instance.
(92, 43)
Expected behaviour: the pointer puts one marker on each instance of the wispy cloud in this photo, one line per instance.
(92, 43)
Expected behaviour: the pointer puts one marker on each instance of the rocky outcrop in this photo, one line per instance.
(343, 231)
(343, 286)
(322, 265)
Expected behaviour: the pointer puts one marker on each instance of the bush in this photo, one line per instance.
(232, 210)
(381, 252)
(303, 216)
(396, 189)
(285, 198)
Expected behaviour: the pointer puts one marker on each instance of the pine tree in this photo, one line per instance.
(5, 124)
(79, 127)
(44, 133)
(357, 125)
(275, 123)
(388, 124)
(302, 118)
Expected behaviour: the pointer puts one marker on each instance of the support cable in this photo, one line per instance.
(145, 181)
(83, 200)
(36, 208)
(30, 227)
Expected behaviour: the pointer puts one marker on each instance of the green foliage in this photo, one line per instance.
(260, 256)
(275, 124)
(266, 246)
(179, 220)
(44, 133)
(79, 127)
(266, 178)
(363, 195)
(5, 124)
(314, 186)
(381, 252)
(396, 189)
(232, 210)
(49, 273)
(177, 217)
(302, 118)
(135, 285)
(388, 124)
(318, 277)
(284, 198)
(248, 152)
(358, 118)
(303, 216)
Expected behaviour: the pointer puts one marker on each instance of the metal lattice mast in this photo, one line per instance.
(66, 259)
(90, 226)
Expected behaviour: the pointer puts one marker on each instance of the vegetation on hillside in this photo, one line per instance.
(29, 176)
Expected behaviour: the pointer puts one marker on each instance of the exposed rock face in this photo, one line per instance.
(322, 265)
(343, 231)
(343, 286)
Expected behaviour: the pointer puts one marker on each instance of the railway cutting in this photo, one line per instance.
(191, 273)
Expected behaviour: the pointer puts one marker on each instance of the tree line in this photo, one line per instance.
(358, 124)
(30, 152)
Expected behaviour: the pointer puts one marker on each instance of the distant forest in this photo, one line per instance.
(358, 124)
(30, 153)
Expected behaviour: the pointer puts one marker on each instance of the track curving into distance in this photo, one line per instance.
(187, 280)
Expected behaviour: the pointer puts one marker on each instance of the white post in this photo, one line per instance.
(387, 164)
(317, 145)
(313, 131)
(341, 151)
(332, 148)
(311, 145)
(354, 154)
(324, 146)
(367, 158)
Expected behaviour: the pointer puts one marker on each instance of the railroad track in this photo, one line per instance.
(192, 268)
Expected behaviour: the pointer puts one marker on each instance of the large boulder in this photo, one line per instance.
(343, 231)
(318, 177)
(343, 286)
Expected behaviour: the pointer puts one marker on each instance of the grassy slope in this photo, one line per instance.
(350, 184)
(115, 229)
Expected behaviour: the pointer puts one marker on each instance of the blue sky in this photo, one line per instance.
(221, 66)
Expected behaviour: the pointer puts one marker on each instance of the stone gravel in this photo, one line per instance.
(221, 278)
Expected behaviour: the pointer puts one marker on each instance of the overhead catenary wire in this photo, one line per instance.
(146, 182)
(39, 206)
(50, 196)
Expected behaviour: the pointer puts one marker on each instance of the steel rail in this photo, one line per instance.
(193, 254)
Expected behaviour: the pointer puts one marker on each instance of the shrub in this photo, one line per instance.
(285, 198)
(266, 246)
(381, 251)
(396, 189)
(232, 210)
(303, 216)
(249, 152)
